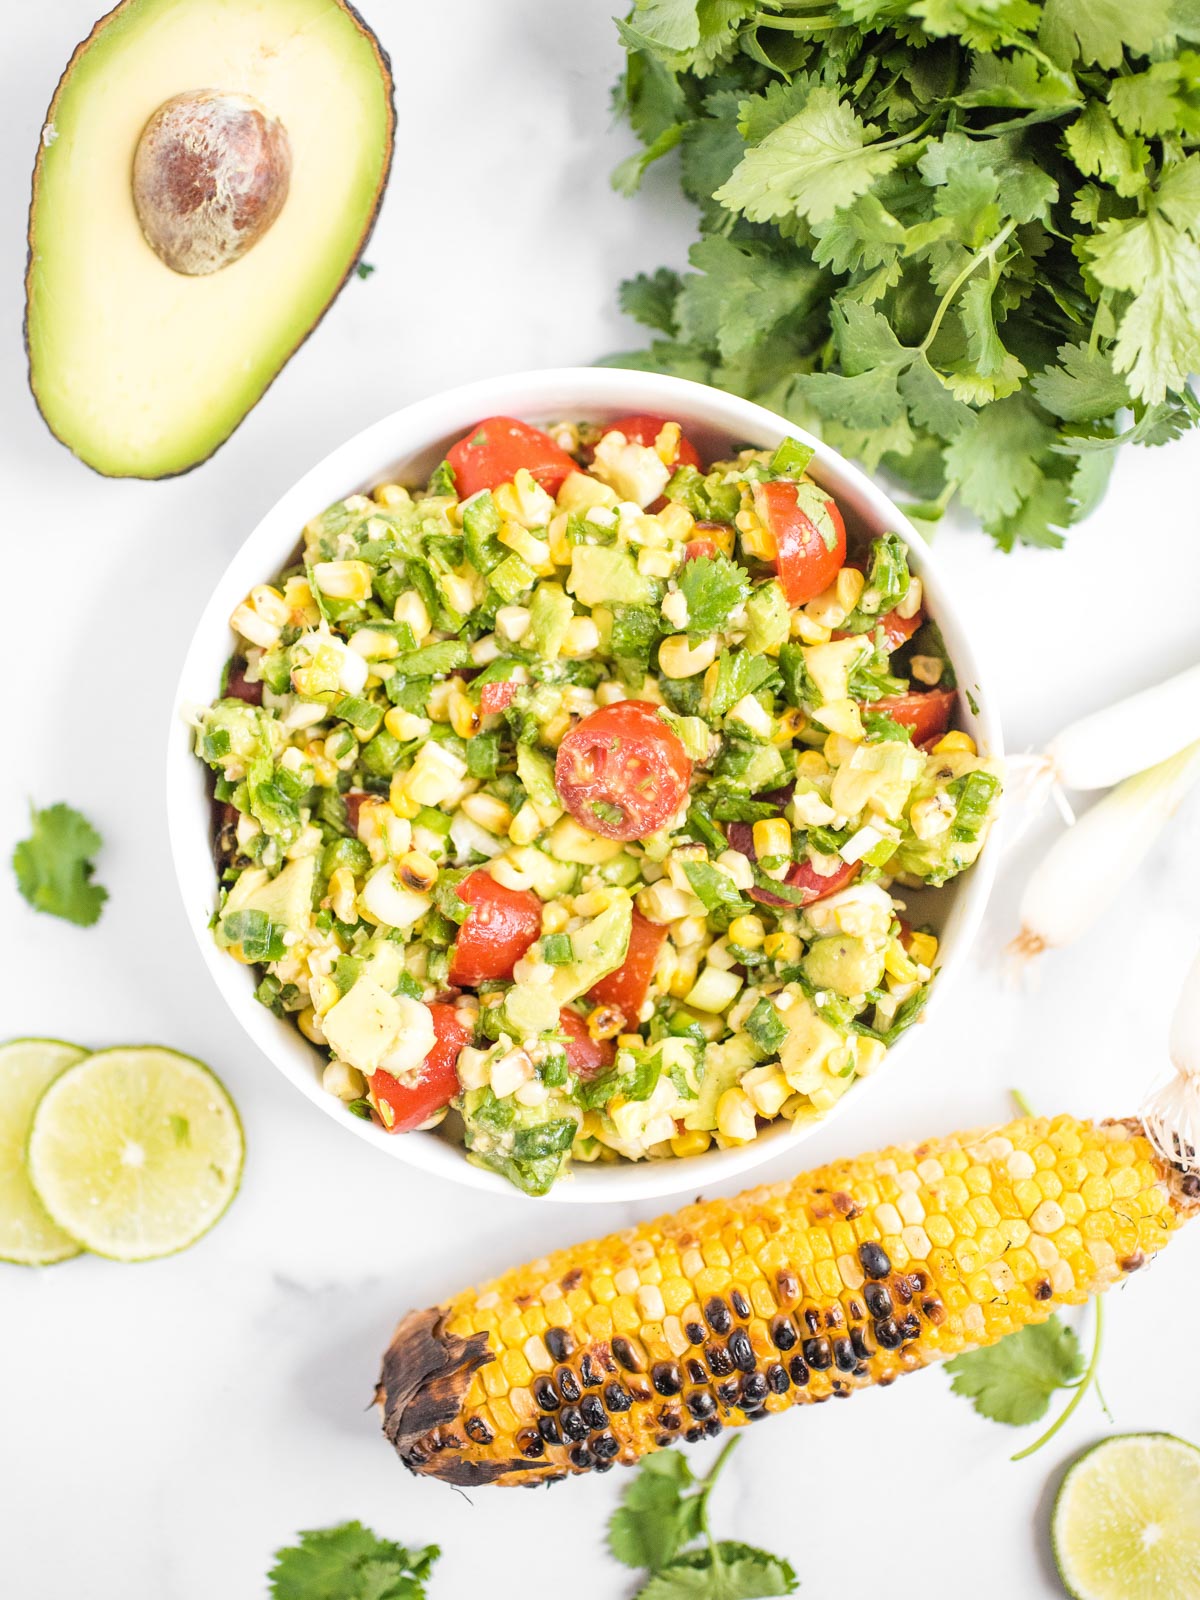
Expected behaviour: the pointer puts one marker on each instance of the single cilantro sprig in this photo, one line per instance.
(662, 1527)
(54, 865)
(713, 586)
(350, 1562)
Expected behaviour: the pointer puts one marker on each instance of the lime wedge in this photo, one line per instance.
(27, 1235)
(1126, 1523)
(135, 1152)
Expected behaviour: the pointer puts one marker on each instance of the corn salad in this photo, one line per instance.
(572, 798)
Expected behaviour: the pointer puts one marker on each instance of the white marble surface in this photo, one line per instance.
(164, 1427)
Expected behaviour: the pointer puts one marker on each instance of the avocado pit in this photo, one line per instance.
(210, 175)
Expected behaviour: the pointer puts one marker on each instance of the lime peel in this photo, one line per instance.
(28, 1237)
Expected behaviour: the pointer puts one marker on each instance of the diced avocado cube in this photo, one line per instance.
(603, 574)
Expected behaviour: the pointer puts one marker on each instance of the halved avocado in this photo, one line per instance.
(141, 369)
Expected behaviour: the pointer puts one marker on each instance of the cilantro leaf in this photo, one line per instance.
(812, 164)
(725, 1571)
(54, 865)
(350, 1562)
(713, 586)
(654, 1520)
(714, 886)
(650, 299)
(1012, 1381)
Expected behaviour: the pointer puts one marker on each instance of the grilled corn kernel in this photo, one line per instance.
(464, 717)
(525, 826)
(735, 1116)
(405, 725)
(416, 870)
(783, 948)
(343, 580)
(309, 1024)
(694, 1143)
(580, 637)
(772, 837)
(412, 609)
(927, 669)
(789, 724)
(677, 659)
(343, 1081)
(955, 740)
(923, 948)
(489, 812)
(605, 1022)
(342, 894)
(748, 932)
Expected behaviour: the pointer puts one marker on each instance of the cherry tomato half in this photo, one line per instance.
(802, 875)
(437, 1082)
(927, 716)
(496, 696)
(586, 1057)
(806, 563)
(645, 430)
(626, 987)
(501, 925)
(621, 771)
(495, 449)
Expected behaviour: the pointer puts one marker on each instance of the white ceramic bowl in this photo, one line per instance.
(406, 447)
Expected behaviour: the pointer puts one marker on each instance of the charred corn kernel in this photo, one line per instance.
(783, 948)
(410, 608)
(923, 948)
(343, 580)
(605, 1022)
(789, 724)
(416, 870)
(580, 637)
(342, 893)
(735, 1116)
(927, 669)
(801, 1263)
(309, 1023)
(748, 931)
(772, 837)
(344, 1081)
(955, 740)
(464, 716)
(525, 826)
(405, 725)
(677, 659)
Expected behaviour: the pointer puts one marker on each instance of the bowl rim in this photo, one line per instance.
(360, 462)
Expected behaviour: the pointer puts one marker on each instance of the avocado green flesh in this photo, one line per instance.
(143, 371)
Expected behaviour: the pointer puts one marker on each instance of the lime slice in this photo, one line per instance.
(1126, 1522)
(135, 1152)
(27, 1235)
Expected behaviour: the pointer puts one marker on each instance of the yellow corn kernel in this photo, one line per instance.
(694, 1143)
(811, 764)
(247, 621)
(923, 948)
(666, 445)
(757, 539)
(324, 992)
(735, 1116)
(658, 563)
(897, 963)
(555, 917)
(772, 837)
(686, 966)
(767, 1089)
(309, 1024)
(580, 637)
(676, 521)
(557, 541)
(488, 812)
(747, 931)
(555, 728)
(464, 717)
(783, 948)
(605, 1022)
(342, 895)
(525, 826)
(838, 749)
(402, 803)
(412, 609)
(955, 740)
(417, 871)
(533, 551)
(927, 669)
(405, 725)
(790, 723)
(343, 580)
(343, 1081)
(677, 659)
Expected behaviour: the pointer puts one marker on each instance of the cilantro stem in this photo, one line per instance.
(1081, 1388)
(764, 19)
(984, 253)
(1022, 1103)
(706, 1489)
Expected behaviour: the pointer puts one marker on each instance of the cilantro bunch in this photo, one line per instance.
(959, 238)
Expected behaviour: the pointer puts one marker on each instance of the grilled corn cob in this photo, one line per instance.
(848, 1276)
